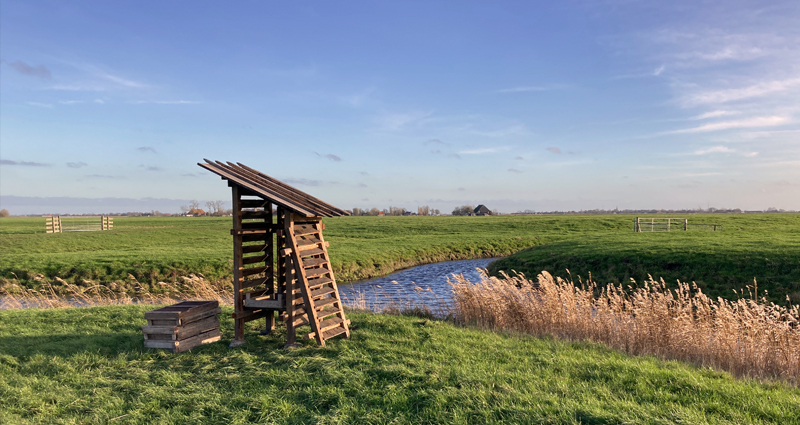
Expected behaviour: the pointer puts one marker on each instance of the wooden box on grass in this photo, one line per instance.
(182, 326)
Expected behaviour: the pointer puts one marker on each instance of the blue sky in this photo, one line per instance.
(516, 105)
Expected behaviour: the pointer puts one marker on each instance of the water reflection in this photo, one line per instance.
(431, 278)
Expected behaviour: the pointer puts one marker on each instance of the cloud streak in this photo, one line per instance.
(730, 95)
(39, 71)
(23, 163)
(527, 89)
(726, 125)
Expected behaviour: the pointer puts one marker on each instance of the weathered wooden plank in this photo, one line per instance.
(292, 193)
(265, 257)
(322, 292)
(249, 249)
(308, 241)
(316, 272)
(318, 282)
(254, 271)
(252, 283)
(187, 344)
(334, 332)
(327, 325)
(253, 203)
(182, 332)
(320, 305)
(265, 303)
(312, 262)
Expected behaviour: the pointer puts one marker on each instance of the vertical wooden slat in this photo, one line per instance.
(238, 294)
(291, 333)
(270, 319)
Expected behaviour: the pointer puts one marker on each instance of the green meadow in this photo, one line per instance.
(88, 365)
(153, 249)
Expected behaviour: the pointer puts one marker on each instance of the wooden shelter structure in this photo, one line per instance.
(302, 288)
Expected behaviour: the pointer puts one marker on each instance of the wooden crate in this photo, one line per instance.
(182, 326)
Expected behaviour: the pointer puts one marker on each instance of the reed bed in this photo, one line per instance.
(65, 294)
(746, 337)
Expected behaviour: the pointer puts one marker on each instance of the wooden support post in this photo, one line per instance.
(238, 295)
(685, 224)
(288, 268)
(270, 273)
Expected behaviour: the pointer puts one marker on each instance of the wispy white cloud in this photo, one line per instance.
(728, 95)
(480, 151)
(713, 114)
(358, 99)
(715, 149)
(165, 102)
(398, 121)
(723, 149)
(40, 104)
(523, 89)
(123, 81)
(504, 132)
(744, 123)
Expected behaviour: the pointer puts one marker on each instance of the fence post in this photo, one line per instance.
(685, 224)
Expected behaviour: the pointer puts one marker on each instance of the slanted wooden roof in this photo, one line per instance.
(272, 190)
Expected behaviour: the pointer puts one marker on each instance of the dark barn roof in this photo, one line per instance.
(482, 210)
(272, 190)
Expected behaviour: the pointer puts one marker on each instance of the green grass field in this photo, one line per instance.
(152, 249)
(88, 365)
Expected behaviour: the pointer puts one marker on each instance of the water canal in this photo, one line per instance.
(426, 284)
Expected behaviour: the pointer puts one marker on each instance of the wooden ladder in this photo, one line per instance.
(314, 297)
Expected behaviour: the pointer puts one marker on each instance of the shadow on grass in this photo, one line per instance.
(106, 344)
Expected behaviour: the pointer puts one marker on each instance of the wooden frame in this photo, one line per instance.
(280, 260)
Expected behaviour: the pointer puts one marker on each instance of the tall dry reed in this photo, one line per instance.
(65, 294)
(746, 337)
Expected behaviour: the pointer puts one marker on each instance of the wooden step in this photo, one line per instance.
(309, 241)
(322, 292)
(312, 252)
(324, 303)
(311, 262)
(318, 282)
(316, 272)
(304, 230)
(327, 325)
(333, 332)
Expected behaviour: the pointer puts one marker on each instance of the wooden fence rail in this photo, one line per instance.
(58, 224)
(666, 224)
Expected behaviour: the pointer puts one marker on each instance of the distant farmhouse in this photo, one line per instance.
(195, 212)
(481, 210)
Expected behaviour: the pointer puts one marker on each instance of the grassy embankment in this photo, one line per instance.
(92, 368)
(764, 246)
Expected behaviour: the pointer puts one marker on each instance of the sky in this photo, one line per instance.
(518, 105)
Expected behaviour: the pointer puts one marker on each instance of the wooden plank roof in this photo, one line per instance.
(272, 189)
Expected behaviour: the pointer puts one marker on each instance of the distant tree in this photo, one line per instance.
(357, 211)
(396, 211)
(185, 209)
(424, 210)
(464, 210)
(374, 212)
(4, 213)
(215, 208)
